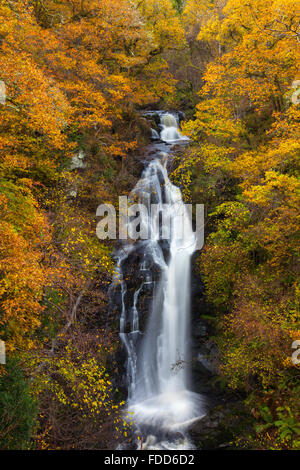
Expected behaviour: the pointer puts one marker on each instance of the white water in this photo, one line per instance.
(159, 399)
(170, 131)
(154, 134)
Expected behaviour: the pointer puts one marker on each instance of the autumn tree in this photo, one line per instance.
(75, 74)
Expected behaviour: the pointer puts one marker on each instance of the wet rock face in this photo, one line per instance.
(221, 426)
(181, 116)
(153, 120)
(205, 354)
(136, 278)
(118, 364)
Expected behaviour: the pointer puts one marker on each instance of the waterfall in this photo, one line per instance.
(170, 130)
(159, 399)
(154, 134)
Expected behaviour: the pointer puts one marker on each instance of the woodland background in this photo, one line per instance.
(77, 73)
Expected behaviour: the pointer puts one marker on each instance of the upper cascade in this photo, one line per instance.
(168, 120)
(170, 131)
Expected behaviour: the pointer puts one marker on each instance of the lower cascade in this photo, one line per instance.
(160, 402)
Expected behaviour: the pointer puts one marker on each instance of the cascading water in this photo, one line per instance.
(159, 399)
(170, 132)
(154, 134)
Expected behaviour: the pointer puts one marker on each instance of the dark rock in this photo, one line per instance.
(222, 424)
(181, 116)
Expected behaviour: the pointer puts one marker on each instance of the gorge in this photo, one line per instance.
(160, 401)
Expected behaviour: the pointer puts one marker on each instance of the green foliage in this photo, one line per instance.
(178, 4)
(287, 423)
(18, 409)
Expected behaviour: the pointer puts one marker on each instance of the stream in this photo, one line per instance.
(156, 333)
